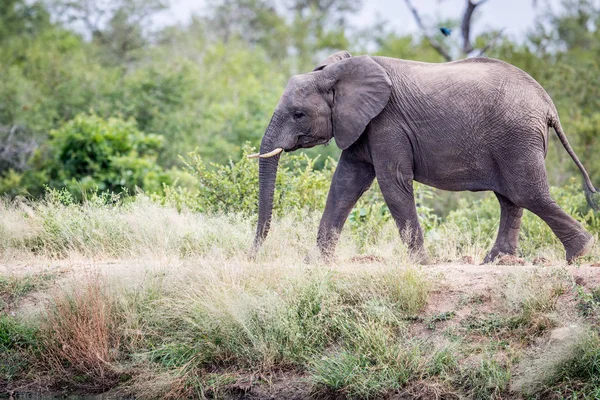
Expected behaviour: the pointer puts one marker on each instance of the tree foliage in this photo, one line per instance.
(87, 154)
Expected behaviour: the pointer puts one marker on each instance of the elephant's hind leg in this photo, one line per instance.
(508, 233)
(575, 239)
(530, 190)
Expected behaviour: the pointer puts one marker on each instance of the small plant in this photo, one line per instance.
(408, 289)
(489, 325)
(12, 288)
(80, 336)
(445, 316)
(588, 301)
(18, 344)
(488, 380)
(444, 363)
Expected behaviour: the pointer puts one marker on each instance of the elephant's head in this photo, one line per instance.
(337, 100)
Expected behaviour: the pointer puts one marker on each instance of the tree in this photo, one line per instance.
(16, 147)
(467, 49)
(302, 30)
(319, 26)
(20, 17)
(255, 22)
(116, 25)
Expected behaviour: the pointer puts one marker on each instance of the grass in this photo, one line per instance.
(80, 336)
(588, 301)
(526, 304)
(106, 226)
(166, 304)
(18, 346)
(13, 287)
(487, 380)
(578, 375)
(569, 368)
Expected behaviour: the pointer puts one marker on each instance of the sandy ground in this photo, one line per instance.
(458, 276)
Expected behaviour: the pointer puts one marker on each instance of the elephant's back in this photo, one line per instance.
(473, 82)
(502, 76)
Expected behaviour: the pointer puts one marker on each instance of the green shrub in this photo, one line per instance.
(15, 334)
(89, 153)
(233, 187)
(18, 342)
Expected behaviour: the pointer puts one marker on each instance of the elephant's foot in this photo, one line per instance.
(579, 248)
(497, 254)
(319, 258)
(420, 257)
(323, 254)
(508, 259)
(490, 257)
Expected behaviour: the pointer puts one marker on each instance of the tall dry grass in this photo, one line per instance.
(80, 335)
(104, 228)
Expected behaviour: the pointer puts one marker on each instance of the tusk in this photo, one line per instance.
(272, 153)
(255, 155)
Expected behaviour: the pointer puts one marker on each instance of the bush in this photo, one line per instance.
(18, 341)
(80, 335)
(233, 187)
(300, 188)
(89, 153)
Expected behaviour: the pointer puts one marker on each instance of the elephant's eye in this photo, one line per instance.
(298, 115)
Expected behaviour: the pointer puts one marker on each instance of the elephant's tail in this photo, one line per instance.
(590, 190)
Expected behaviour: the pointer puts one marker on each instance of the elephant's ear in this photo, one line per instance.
(335, 57)
(361, 89)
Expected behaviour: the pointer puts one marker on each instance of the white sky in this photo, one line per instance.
(514, 16)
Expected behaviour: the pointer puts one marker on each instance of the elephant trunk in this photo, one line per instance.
(267, 172)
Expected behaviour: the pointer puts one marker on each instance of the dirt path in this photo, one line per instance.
(452, 278)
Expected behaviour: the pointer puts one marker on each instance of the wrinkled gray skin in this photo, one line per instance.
(476, 124)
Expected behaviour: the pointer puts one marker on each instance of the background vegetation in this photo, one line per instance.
(71, 70)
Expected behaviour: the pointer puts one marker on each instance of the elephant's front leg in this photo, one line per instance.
(397, 189)
(350, 180)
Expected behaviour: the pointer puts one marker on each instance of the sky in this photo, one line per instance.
(514, 16)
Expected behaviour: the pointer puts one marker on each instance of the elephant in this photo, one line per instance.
(477, 124)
